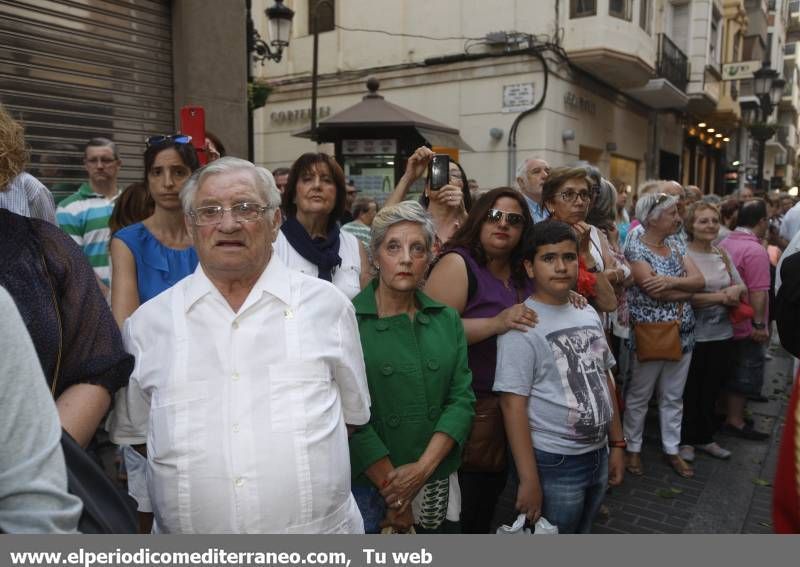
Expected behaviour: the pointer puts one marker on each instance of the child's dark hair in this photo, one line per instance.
(544, 233)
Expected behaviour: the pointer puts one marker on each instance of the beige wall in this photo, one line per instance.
(209, 64)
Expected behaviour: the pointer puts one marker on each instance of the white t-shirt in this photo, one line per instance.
(561, 365)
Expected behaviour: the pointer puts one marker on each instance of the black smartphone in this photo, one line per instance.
(439, 171)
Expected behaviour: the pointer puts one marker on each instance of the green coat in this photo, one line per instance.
(419, 383)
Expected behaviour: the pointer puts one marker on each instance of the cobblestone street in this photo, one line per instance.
(732, 496)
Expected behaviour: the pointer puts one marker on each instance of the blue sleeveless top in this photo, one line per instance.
(157, 267)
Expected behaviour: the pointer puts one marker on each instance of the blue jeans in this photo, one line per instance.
(573, 488)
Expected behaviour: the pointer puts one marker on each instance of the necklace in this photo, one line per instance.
(662, 245)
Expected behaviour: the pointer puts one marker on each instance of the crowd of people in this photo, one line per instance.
(272, 353)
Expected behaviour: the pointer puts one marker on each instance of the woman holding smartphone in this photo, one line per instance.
(448, 205)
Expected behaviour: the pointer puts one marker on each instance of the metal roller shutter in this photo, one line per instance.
(75, 69)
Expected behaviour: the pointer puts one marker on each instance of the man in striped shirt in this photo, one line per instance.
(84, 214)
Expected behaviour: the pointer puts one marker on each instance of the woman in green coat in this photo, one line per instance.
(404, 461)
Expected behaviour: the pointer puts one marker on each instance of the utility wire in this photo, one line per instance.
(395, 34)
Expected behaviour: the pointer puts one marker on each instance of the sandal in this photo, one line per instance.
(681, 467)
(633, 463)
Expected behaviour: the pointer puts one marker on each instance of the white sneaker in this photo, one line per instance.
(686, 452)
(715, 450)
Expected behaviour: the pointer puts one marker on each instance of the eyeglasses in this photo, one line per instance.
(164, 138)
(661, 198)
(98, 161)
(571, 196)
(213, 214)
(494, 216)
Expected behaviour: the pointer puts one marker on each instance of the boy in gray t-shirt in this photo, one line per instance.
(557, 394)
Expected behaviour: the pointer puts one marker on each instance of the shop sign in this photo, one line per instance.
(740, 70)
(369, 147)
(579, 103)
(300, 114)
(517, 98)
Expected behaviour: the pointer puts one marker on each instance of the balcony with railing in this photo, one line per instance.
(791, 90)
(672, 64)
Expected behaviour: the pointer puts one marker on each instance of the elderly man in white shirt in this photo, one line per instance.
(246, 374)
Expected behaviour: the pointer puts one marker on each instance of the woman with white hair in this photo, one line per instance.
(405, 460)
(664, 282)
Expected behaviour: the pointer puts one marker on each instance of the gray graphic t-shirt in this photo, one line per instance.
(561, 365)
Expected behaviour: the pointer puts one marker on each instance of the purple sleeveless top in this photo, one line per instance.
(490, 298)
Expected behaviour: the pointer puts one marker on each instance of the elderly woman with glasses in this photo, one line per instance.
(664, 282)
(480, 275)
(404, 461)
(310, 239)
(150, 256)
(567, 194)
(447, 206)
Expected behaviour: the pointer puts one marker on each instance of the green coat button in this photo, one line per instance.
(424, 319)
(387, 370)
(433, 413)
(393, 420)
(381, 325)
(433, 365)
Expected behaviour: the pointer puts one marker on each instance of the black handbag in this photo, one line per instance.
(106, 508)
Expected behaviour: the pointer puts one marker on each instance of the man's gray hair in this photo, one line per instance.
(405, 211)
(263, 181)
(647, 209)
(102, 143)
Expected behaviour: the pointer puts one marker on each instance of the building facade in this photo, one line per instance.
(625, 86)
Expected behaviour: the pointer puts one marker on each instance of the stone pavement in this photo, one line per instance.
(732, 496)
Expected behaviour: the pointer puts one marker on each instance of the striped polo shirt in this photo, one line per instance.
(84, 216)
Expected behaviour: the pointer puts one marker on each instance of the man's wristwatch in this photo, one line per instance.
(620, 444)
(759, 326)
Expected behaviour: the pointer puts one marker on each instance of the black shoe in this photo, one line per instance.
(746, 432)
(758, 398)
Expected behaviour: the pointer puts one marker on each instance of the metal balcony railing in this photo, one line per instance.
(771, 5)
(673, 64)
(794, 6)
(791, 47)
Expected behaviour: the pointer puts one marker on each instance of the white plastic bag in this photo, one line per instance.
(541, 527)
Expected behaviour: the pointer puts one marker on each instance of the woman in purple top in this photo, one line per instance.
(480, 274)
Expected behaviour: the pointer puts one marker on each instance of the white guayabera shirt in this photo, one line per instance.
(244, 413)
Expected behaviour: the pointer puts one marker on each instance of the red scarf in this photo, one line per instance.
(786, 488)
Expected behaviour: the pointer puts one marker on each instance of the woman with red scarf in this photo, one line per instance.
(567, 195)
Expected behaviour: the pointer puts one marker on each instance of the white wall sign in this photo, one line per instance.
(369, 147)
(517, 98)
(740, 70)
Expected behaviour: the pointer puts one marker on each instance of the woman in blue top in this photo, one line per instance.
(150, 256)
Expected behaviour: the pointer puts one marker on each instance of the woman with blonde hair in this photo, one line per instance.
(20, 192)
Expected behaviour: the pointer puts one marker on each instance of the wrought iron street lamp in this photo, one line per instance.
(768, 88)
(279, 30)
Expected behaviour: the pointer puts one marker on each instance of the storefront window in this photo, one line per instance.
(582, 8)
(620, 9)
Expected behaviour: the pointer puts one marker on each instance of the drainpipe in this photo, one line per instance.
(512, 132)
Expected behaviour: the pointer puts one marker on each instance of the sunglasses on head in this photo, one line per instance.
(494, 216)
(659, 200)
(165, 138)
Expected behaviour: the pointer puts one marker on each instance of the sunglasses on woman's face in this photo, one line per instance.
(164, 138)
(494, 216)
(659, 200)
